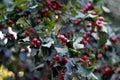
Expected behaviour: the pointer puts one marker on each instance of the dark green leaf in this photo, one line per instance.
(103, 38)
(2, 6)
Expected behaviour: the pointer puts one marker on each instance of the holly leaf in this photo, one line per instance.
(2, 6)
(19, 2)
(103, 38)
(61, 50)
(48, 44)
(39, 66)
(22, 21)
(105, 9)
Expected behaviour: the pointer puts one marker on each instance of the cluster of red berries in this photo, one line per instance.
(53, 5)
(88, 6)
(98, 22)
(62, 38)
(106, 71)
(10, 23)
(29, 31)
(86, 38)
(44, 13)
(77, 22)
(58, 59)
(85, 58)
(35, 42)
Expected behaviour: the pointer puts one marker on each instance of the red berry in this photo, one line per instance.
(77, 22)
(93, 13)
(38, 42)
(65, 59)
(32, 43)
(90, 6)
(12, 37)
(107, 71)
(101, 18)
(99, 26)
(89, 63)
(26, 50)
(81, 60)
(87, 39)
(114, 39)
(10, 23)
(57, 58)
(62, 38)
(98, 22)
(27, 33)
(89, 25)
(31, 29)
(100, 55)
(34, 40)
(85, 57)
(53, 5)
(87, 33)
(38, 21)
(105, 47)
(61, 76)
(85, 42)
(84, 9)
(45, 13)
(85, 36)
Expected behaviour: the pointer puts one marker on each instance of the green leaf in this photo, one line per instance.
(103, 38)
(1, 18)
(74, 13)
(73, 2)
(73, 51)
(22, 21)
(39, 4)
(49, 24)
(19, 2)
(2, 6)
(11, 13)
(97, 10)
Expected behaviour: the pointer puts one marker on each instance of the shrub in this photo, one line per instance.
(57, 40)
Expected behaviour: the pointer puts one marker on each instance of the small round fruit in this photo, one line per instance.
(81, 60)
(77, 22)
(85, 57)
(62, 38)
(101, 18)
(65, 59)
(89, 25)
(27, 33)
(114, 39)
(85, 42)
(38, 21)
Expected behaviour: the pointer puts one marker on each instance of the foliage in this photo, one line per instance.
(57, 40)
